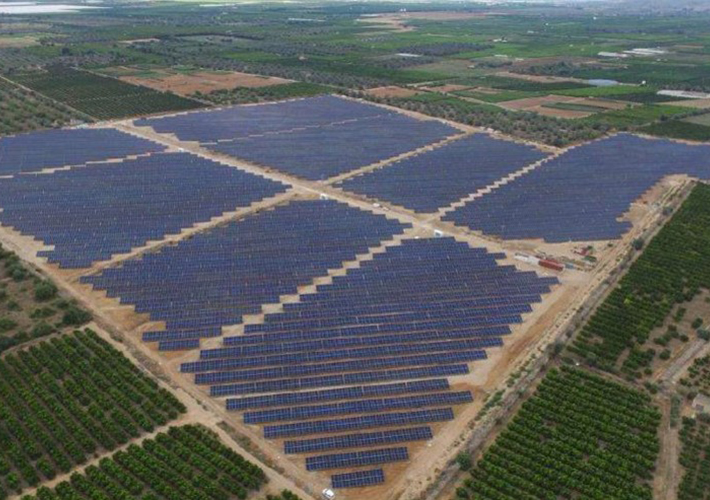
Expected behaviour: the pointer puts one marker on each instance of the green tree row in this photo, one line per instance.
(66, 400)
(579, 436)
(187, 462)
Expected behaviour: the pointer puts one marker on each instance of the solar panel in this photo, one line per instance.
(301, 398)
(358, 406)
(356, 423)
(357, 459)
(582, 194)
(90, 214)
(358, 479)
(358, 440)
(37, 151)
(437, 178)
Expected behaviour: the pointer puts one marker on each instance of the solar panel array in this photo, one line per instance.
(580, 195)
(327, 151)
(435, 179)
(358, 479)
(58, 148)
(409, 316)
(89, 214)
(314, 138)
(244, 121)
(217, 276)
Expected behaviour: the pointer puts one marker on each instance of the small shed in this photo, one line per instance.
(701, 404)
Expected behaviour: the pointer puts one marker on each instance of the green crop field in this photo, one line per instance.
(68, 399)
(99, 96)
(694, 458)
(579, 436)
(679, 129)
(24, 111)
(185, 462)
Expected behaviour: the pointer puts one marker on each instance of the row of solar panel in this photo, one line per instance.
(359, 406)
(360, 440)
(345, 334)
(337, 342)
(239, 361)
(289, 371)
(356, 423)
(368, 377)
(301, 398)
(357, 459)
(358, 479)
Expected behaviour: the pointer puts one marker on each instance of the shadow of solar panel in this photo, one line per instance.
(357, 423)
(580, 195)
(358, 479)
(358, 440)
(90, 214)
(438, 178)
(357, 459)
(58, 148)
(217, 276)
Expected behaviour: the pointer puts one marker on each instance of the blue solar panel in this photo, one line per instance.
(580, 195)
(94, 212)
(294, 384)
(323, 152)
(361, 440)
(58, 148)
(217, 276)
(243, 121)
(179, 345)
(435, 179)
(357, 459)
(360, 406)
(300, 398)
(292, 371)
(356, 423)
(358, 479)
(238, 362)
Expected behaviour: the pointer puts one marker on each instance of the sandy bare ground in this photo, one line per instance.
(17, 42)
(449, 87)
(204, 82)
(541, 105)
(534, 102)
(691, 103)
(535, 78)
(392, 91)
